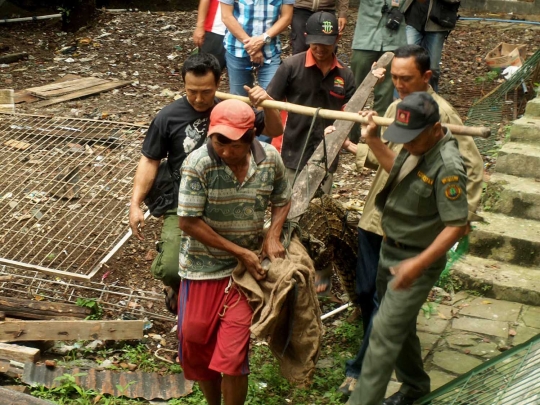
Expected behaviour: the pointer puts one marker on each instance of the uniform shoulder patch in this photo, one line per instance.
(452, 191)
(450, 179)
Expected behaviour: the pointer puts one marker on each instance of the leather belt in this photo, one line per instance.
(396, 244)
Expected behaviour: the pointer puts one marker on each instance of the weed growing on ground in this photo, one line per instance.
(97, 310)
(266, 385)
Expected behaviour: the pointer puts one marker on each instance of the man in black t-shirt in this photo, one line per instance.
(178, 129)
(315, 78)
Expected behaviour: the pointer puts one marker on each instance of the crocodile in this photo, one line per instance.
(329, 234)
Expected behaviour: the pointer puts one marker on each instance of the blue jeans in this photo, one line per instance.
(369, 246)
(433, 43)
(240, 75)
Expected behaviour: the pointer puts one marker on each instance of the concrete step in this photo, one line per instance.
(508, 239)
(498, 280)
(519, 159)
(533, 108)
(526, 130)
(513, 196)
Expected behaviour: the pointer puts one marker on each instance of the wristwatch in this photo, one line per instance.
(266, 38)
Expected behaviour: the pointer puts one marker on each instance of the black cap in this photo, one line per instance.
(415, 113)
(322, 28)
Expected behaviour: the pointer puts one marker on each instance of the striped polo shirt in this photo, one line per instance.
(209, 190)
(256, 17)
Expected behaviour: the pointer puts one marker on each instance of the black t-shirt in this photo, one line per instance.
(306, 85)
(178, 129)
(417, 15)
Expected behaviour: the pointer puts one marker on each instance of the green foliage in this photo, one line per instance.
(97, 310)
(487, 78)
(445, 281)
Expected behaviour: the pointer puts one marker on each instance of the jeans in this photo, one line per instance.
(369, 246)
(433, 43)
(240, 75)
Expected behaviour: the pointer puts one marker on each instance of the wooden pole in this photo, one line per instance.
(482, 132)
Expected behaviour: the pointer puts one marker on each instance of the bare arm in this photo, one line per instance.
(272, 247)
(198, 33)
(204, 233)
(232, 23)
(382, 152)
(273, 126)
(409, 270)
(142, 183)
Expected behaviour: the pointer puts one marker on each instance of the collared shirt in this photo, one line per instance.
(341, 6)
(209, 190)
(370, 32)
(429, 198)
(256, 17)
(371, 217)
(300, 81)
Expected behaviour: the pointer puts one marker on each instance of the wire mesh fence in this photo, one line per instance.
(64, 191)
(512, 378)
(504, 103)
(118, 301)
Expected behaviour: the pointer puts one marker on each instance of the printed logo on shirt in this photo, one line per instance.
(452, 192)
(327, 27)
(194, 133)
(339, 82)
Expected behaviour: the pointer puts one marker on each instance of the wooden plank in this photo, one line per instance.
(18, 331)
(11, 369)
(61, 88)
(22, 354)
(17, 144)
(7, 108)
(21, 308)
(22, 96)
(82, 93)
(313, 173)
(13, 57)
(59, 84)
(14, 397)
(6, 96)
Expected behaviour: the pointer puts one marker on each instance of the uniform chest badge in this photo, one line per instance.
(452, 191)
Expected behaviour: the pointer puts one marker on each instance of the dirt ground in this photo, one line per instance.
(149, 47)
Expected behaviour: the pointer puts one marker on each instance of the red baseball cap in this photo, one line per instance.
(232, 119)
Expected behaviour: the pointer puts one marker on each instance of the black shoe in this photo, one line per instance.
(399, 399)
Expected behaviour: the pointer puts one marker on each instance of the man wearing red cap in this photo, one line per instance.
(225, 189)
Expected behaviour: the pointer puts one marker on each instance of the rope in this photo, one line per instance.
(306, 143)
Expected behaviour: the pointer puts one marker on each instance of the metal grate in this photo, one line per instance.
(64, 192)
(512, 378)
(121, 301)
(504, 103)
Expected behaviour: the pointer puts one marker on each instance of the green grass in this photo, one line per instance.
(266, 385)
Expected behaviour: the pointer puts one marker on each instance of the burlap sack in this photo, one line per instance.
(286, 312)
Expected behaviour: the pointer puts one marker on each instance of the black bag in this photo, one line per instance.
(445, 13)
(394, 18)
(163, 195)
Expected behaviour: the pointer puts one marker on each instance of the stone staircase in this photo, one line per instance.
(504, 257)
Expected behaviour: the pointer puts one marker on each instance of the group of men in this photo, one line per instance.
(425, 192)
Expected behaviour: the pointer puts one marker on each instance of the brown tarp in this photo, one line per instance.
(286, 312)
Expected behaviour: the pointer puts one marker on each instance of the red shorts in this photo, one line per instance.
(213, 329)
